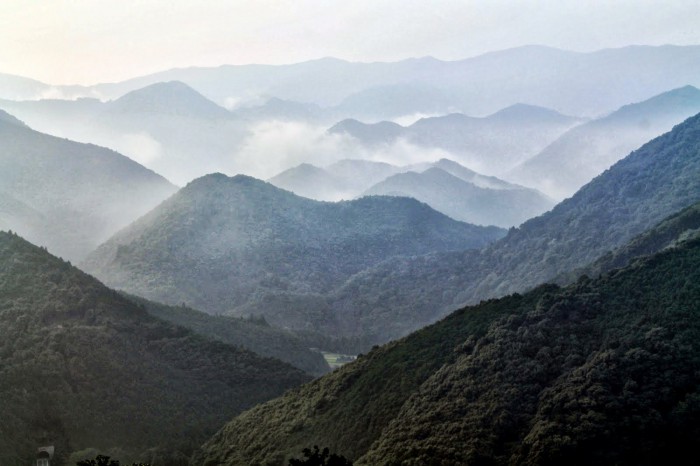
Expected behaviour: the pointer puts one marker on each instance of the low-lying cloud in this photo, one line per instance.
(274, 146)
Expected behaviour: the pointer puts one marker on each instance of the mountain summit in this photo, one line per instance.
(169, 98)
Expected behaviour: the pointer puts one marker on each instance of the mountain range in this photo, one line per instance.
(168, 127)
(445, 185)
(491, 144)
(402, 294)
(582, 84)
(69, 196)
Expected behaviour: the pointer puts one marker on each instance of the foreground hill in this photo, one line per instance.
(585, 151)
(601, 372)
(221, 242)
(466, 201)
(70, 196)
(86, 367)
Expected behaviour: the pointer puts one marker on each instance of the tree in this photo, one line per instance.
(320, 458)
(102, 460)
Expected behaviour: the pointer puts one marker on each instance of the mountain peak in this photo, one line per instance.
(521, 111)
(171, 97)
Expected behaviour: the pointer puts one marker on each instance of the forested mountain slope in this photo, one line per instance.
(603, 371)
(221, 242)
(82, 366)
(660, 178)
(252, 334)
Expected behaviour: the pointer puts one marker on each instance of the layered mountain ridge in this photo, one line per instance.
(221, 242)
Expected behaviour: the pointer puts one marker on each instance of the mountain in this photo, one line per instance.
(255, 335)
(491, 144)
(371, 134)
(584, 84)
(168, 127)
(603, 371)
(87, 368)
(70, 196)
(345, 179)
(349, 178)
(313, 182)
(463, 200)
(585, 151)
(220, 243)
(402, 294)
(169, 98)
(482, 181)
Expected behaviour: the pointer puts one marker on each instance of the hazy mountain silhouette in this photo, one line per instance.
(464, 200)
(445, 185)
(491, 144)
(74, 196)
(585, 151)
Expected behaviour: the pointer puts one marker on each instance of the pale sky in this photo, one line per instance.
(89, 41)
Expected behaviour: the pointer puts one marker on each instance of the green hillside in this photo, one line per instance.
(221, 243)
(252, 334)
(81, 366)
(603, 371)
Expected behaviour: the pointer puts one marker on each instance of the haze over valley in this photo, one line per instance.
(304, 235)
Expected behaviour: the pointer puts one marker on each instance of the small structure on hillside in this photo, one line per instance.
(44, 455)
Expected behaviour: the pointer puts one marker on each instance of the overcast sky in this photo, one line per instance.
(89, 41)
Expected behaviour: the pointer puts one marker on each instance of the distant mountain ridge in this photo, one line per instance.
(491, 144)
(445, 185)
(231, 241)
(173, 97)
(168, 127)
(659, 178)
(463, 200)
(479, 85)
